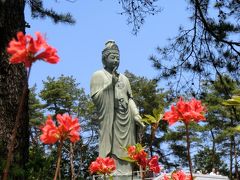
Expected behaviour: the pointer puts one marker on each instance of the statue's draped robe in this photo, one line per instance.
(116, 112)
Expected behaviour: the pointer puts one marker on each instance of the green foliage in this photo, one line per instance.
(35, 108)
(206, 49)
(139, 147)
(61, 95)
(179, 154)
(221, 128)
(235, 101)
(151, 120)
(40, 164)
(206, 159)
(16, 171)
(175, 138)
(38, 11)
(128, 159)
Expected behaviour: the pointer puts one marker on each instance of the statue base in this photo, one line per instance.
(136, 175)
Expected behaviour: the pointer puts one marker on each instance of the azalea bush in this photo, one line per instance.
(186, 112)
(103, 166)
(137, 155)
(177, 175)
(26, 50)
(67, 128)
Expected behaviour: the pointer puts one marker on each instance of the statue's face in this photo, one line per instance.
(112, 61)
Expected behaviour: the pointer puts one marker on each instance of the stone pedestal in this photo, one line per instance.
(128, 176)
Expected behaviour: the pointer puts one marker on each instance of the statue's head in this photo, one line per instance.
(111, 48)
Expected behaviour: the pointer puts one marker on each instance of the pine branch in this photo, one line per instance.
(38, 11)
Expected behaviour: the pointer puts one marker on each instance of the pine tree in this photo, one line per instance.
(207, 49)
(63, 95)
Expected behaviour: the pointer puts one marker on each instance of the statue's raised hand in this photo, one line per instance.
(115, 76)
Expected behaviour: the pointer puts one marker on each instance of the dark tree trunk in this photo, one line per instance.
(231, 160)
(12, 80)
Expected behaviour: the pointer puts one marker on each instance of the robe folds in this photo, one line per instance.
(116, 113)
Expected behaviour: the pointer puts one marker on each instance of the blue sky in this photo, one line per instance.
(79, 46)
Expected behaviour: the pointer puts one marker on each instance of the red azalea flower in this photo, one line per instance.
(49, 55)
(180, 175)
(131, 150)
(50, 132)
(142, 158)
(94, 167)
(197, 110)
(172, 116)
(68, 128)
(153, 164)
(27, 50)
(138, 155)
(165, 177)
(110, 164)
(185, 111)
(102, 166)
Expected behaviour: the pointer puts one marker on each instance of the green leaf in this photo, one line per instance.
(235, 101)
(128, 159)
(146, 121)
(139, 147)
(150, 118)
(157, 113)
(237, 128)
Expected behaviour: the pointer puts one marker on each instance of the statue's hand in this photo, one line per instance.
(114, 76)
(138, 119)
